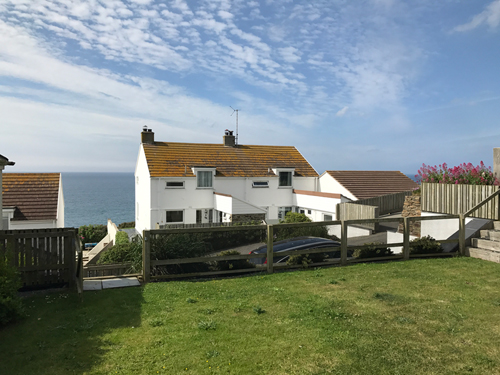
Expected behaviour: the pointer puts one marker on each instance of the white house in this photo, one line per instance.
(32, 200)
(4, 223)
(187, 183)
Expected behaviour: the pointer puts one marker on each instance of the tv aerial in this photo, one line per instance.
(235, 110)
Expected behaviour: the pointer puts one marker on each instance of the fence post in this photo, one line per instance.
(343, 242)
(270, 238)
(406, 238)
(146, 256)
(461, 234)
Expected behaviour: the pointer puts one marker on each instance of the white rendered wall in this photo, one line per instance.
(142, 193)
(395, 237)
(440, 229)
(60, 205)
(335, 230)
(327, 184)
(32, 224)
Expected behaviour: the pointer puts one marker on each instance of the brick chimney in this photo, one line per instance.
(229, 139)
(147, 135)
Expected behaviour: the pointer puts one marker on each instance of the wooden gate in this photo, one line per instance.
(45, 258)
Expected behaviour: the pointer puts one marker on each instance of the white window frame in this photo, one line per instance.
(325, 215)
(174, 187)
(174, 222)
(282, 211)
(264, 184)
(278, 171)
(197, 170)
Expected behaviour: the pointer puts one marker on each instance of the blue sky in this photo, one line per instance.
(365, 85)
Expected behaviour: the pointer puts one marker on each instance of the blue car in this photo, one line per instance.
(297, 243)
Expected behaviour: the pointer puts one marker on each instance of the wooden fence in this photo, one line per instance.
(456, 199)
(354, 211)
(44, 257)
(386, 204)
(107, 270)
(149, 264)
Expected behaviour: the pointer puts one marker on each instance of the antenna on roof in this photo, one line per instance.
(236, 110)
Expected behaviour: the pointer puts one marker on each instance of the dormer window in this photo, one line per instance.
(285, 179)
(204, 177)
(285, 176)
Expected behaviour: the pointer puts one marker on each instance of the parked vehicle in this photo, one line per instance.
(297, 243)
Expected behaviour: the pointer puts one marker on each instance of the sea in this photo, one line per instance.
(93, 198)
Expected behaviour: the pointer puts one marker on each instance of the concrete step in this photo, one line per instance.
(485, 244)
(496, 225)
(490, 255)
(484, 233)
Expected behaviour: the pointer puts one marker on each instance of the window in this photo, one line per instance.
(327, 218)
(175, 185)
(204, 179)
(260, 184)
(175, 216)
(285, 179)
(308, 212)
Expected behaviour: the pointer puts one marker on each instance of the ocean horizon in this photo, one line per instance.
(95, 197)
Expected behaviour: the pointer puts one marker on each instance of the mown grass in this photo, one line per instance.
(439, 316)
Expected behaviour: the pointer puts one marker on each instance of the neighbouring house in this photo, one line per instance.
(356, 185)
(4, 224)
(33, 200)
(193, 183)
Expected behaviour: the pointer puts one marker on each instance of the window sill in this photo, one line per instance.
(285, 187)
(205, 188)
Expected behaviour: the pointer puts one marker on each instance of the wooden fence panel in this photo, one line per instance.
(386, 204)
(354, 211)
(44, 257)
(455, 199)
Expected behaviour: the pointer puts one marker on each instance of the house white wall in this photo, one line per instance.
(32, 224)
(319, 206)
(440, 229)
(60, 205)
(327, 184)
(142, 193)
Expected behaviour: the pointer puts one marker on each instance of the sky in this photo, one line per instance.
(354, 85)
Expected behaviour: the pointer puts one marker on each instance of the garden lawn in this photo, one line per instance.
(439, 316)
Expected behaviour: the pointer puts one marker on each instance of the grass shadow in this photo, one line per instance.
(62, 335)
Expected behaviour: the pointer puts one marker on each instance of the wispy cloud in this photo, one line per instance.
(489, 17)
(342, 112)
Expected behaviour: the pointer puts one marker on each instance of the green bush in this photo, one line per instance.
(238, 264)
(128, 224)
(306, 259)
(376, 249)
(425, 245)
(11, 307)
(125, 253)
(293, 217)
(92, 233)
(121, 238)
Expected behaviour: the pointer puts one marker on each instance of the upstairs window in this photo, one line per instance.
(204, 179)
(175, 185)
(285, 179)
(260, 184)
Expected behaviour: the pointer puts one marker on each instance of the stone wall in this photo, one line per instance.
(245, 218)
(412, 208)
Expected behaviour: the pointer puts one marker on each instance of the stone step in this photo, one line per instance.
(496, 225)
(490, 234)
(485, 244)
(491, 255)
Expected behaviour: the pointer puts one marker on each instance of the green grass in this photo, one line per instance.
(439, 316)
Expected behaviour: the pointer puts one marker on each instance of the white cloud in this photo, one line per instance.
(490, 17)
(342, 111)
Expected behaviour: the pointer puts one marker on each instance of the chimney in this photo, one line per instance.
(229, 139)
(147, 135)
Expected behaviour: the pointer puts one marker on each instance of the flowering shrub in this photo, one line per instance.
(462, 174)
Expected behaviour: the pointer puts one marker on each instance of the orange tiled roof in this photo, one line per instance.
(369, 184)
(34, 195)
(170, 159)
